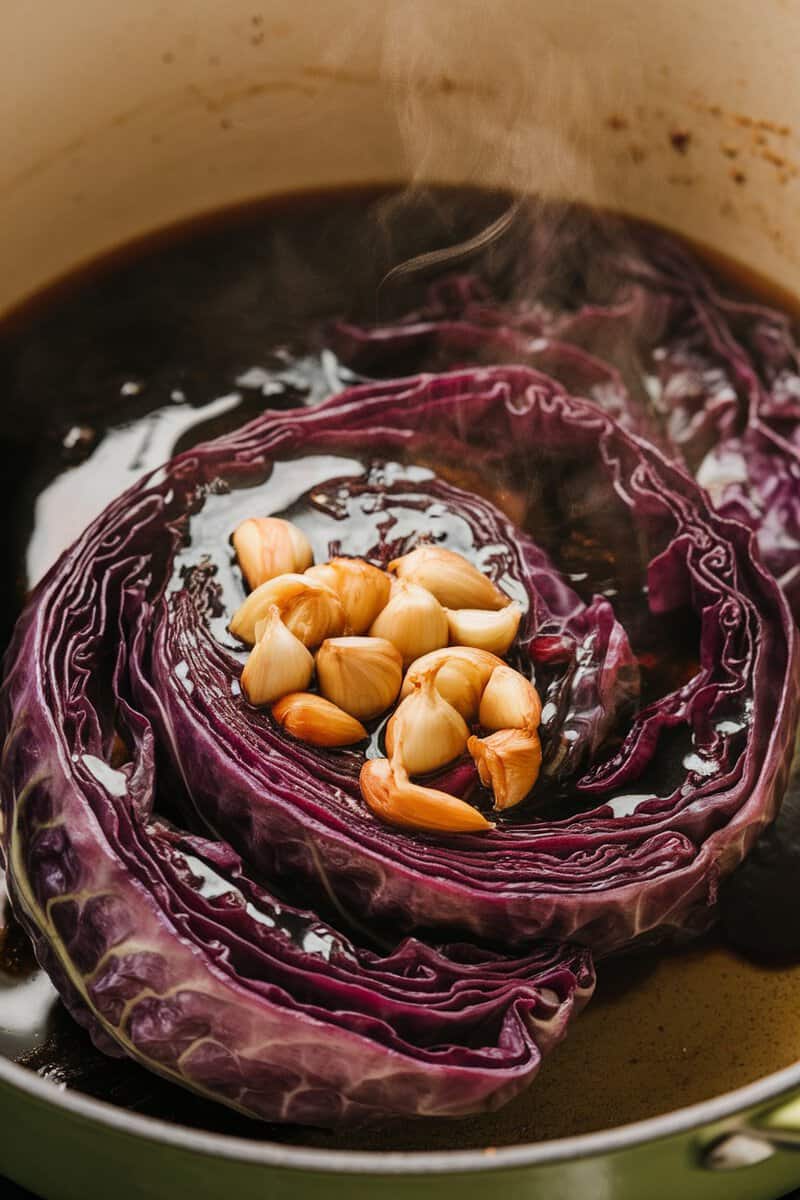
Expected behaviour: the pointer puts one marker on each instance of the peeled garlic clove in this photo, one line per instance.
(268, 546)
(391, 795)
(313, 719)
(508, 762)
(413, 621)
(309, 609)
(509, 701)
(363, 589)
(277, 664)
(315, 617)
(425, 732)
(454, 581)
(361, 675)
(461, 674)
(485, 629)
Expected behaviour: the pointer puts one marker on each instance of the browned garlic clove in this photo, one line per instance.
(277, 664)
(268, 546)
(450, 577)
(391, 795)
(362, 675)
(509, 701)
(362, 588)
(413, 621)
(425, 732)
(485, 629)
(315, 720)
(461, 674)
(311, 611)
(508, 762)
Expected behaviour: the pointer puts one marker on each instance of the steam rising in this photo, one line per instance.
(482, 96)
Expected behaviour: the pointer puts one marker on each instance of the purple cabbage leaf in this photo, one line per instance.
(121, 704)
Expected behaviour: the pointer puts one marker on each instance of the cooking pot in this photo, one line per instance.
(121, 119)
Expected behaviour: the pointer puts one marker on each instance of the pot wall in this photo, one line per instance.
(126, 117)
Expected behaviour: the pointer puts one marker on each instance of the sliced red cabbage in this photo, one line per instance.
(654, 822)
(166, 950)
(121, 702)
(713, 380)
(704, 763)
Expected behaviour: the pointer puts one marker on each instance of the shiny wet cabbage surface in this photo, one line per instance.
(189, 337)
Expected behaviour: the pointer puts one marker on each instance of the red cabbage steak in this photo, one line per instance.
(153, 822)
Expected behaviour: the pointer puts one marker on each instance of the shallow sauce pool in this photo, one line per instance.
(187, 336)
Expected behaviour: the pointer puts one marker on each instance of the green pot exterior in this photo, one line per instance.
(64, 1155)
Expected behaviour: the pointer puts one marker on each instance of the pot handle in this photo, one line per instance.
(756, 1139)
(781, 1125)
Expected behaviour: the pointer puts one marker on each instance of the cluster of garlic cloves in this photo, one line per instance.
(433, 615)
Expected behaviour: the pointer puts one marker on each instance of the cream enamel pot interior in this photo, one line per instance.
(123, 118)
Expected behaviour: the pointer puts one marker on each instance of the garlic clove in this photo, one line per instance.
(362, 588)
(509, 701)
(391, 795)
(508, 762)
(277, 664)
(413, 621)
(314, 618)
(450, 577)
(461, 674)
(425, 732)
(309, 609)
(268, 546)
(485, 629)
(362, 675)
(315, 720)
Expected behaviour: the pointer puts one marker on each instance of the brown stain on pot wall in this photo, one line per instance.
(225, 98)
(425, 84)
(752, 145)
(761, 124)
(763, 138)
(168, 103)
(680, 140)
(38, 165)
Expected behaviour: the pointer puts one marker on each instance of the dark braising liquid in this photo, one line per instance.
(194, 332)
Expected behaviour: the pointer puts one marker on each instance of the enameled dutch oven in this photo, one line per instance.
(122, 118)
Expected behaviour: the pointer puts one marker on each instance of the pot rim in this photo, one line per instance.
(356, 1162)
